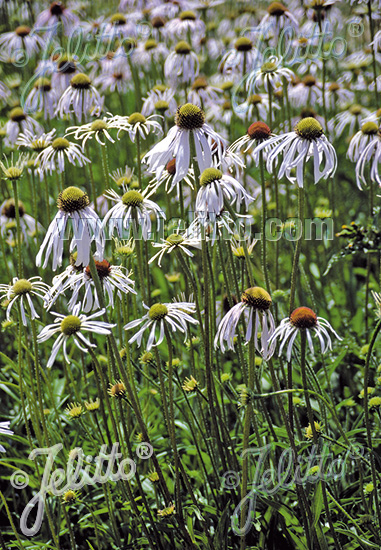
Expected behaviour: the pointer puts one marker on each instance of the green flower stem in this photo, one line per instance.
(264, 219)
(298, 247)
(367, 419)
(127, 383)
(171, 418)
(245, 440)
(38, 381)
(18, 229)
(92, 181)
(46, 188)
(374, 61)
(5, 257)
(105, 164)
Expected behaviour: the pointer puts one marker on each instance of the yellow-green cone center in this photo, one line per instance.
(98, 126)
(257, 297)
(309, 128)
(187, 16)
(209, 176)
(157, 312)
(268, 67)
(43, 84)
(243, 44)
(17, 115)
(70, 325)
(118, 19)
(182, 47)
(60, 144)
(80, 81)
(150, 45)
(175, 239)
(72, 199)
(136, 117)
(23, 286)
(369, 128)
(132, 198)
(190, 117)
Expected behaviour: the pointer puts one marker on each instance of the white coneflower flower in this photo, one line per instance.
(302, 318)
(175, 241)
(8, 220)
(167, 178)
(19, 291)
(186, 24)
(120, 26)
(149, 52)
(159, 93)
(66, 68)
(270, 75)
(182, 65)
(215, 187)
(73, 204)
(112, 277)
(12, 170)
(97, 129)
(350, 118)
(336, 95)
(367, 134)
(278, 17)
(189, 118)
(42, 98)
(53, 157)
(124, 177)
(35, 142)
(80, 98)
(255, 305)
(203, 94)
(240, 59)
(73, 325)
(175, 315)
(258, 132)
(371, 153)
(137, 123)
(134, 207)
(255, 107)
(21, 39)
(116, 79)
(306, 92)
(5, 430)
(57, 13)
(305, 142)
(20, 122)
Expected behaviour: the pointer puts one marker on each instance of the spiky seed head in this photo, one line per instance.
(259, 131)
(118, 19)
(150, 44)
(103, 269)
(190, 117)
(175, 239)
(133, 199)
(17, 115)
(60, 144)
(98, 126)
(70, 325)
(72, 199)
(257, 297)
(243, 44)
(369, 128)
(182, 48)
(309, 128)
(21, 287)
(134, 118)
(277, 9)
(157, 312)
(209, 176)
(303, 318)
(80, 81)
